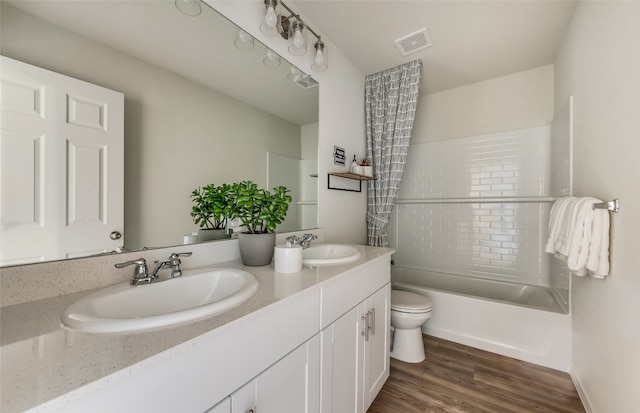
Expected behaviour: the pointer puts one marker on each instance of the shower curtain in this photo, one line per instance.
(390, 105)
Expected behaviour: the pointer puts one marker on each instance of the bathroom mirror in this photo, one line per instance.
(198, 109)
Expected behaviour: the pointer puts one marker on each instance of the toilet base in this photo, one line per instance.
(408, 345)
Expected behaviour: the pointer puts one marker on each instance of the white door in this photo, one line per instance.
(62, 165)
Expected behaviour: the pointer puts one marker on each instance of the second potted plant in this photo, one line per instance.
(259, 211)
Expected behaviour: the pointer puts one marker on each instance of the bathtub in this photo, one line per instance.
(520, 321)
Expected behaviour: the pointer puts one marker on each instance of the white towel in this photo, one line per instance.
(579, 235)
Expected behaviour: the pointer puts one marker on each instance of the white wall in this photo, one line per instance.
(599, 64)
(516, 101)
(341, 118)
(179, 135)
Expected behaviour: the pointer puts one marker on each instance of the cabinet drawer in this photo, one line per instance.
(341, 294)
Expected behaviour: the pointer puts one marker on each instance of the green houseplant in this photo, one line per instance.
(212, 205)
(259, 211)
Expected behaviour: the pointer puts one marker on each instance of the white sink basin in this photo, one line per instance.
(320, 255)
(196, 294)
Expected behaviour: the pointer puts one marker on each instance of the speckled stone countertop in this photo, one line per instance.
(41, 361)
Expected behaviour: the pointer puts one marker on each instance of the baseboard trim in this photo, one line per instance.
(584, 398)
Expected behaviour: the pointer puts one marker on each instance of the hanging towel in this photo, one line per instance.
(579, 235)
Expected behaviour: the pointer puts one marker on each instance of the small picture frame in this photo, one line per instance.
(339, 156)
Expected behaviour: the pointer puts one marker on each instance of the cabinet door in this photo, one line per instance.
(243, 400)
(376, 366)
(342, 364)
(293, 383)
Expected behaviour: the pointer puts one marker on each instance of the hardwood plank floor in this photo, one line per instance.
(461, 379)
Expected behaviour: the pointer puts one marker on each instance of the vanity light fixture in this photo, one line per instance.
(294, 74)
(244, 41)
(270, 24)
(295, 30)
(298, 36)
(191, 8)
(271, 59)
(320, 57)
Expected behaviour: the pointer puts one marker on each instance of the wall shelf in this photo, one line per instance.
(348, 175)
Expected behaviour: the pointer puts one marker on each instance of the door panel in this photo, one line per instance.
(67, 197)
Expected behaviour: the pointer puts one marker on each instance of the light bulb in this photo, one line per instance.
(298, 40)
(319, 59)
(271, 18)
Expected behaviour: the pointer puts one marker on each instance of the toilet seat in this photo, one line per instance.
(407, 302)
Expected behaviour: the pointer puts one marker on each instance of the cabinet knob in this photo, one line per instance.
(115, 235)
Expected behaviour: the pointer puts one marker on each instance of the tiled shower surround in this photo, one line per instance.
(477, 206)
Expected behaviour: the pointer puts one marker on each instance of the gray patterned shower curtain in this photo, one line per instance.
(391, 97)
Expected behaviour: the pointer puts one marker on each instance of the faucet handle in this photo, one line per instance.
(140, 263)
(139, 273)
(306, 240)
(174, 261)
(294, 240)
(175, 256)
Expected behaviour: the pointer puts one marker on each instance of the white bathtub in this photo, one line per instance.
(541, 298)
(524, 322)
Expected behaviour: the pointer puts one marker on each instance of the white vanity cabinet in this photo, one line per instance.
(355, 347)
(324, 348)
(290, 385)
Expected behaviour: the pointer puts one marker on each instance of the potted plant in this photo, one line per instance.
(259, 211)
(211, 209)
(367, 167)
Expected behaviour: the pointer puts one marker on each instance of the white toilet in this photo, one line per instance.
(409, 311)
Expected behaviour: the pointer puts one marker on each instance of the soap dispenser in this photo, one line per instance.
(354, 165)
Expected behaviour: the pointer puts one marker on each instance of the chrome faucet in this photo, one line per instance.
(174, 262)
(293, 239)
(305, 241)
(141, 273)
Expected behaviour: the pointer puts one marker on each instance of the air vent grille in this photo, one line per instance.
(413, 42)
(306, 82)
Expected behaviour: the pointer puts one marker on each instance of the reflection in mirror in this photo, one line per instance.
(197, 109)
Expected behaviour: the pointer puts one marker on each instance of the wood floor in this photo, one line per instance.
(461, 379)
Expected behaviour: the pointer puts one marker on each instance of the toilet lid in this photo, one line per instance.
(409, 302)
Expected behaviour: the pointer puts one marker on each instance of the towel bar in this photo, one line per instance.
(613, 206)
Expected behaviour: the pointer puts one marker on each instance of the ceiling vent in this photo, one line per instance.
(306, 82)
(413, 42)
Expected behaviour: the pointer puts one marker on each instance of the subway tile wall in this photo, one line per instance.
(506, 164)
(437, 224)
